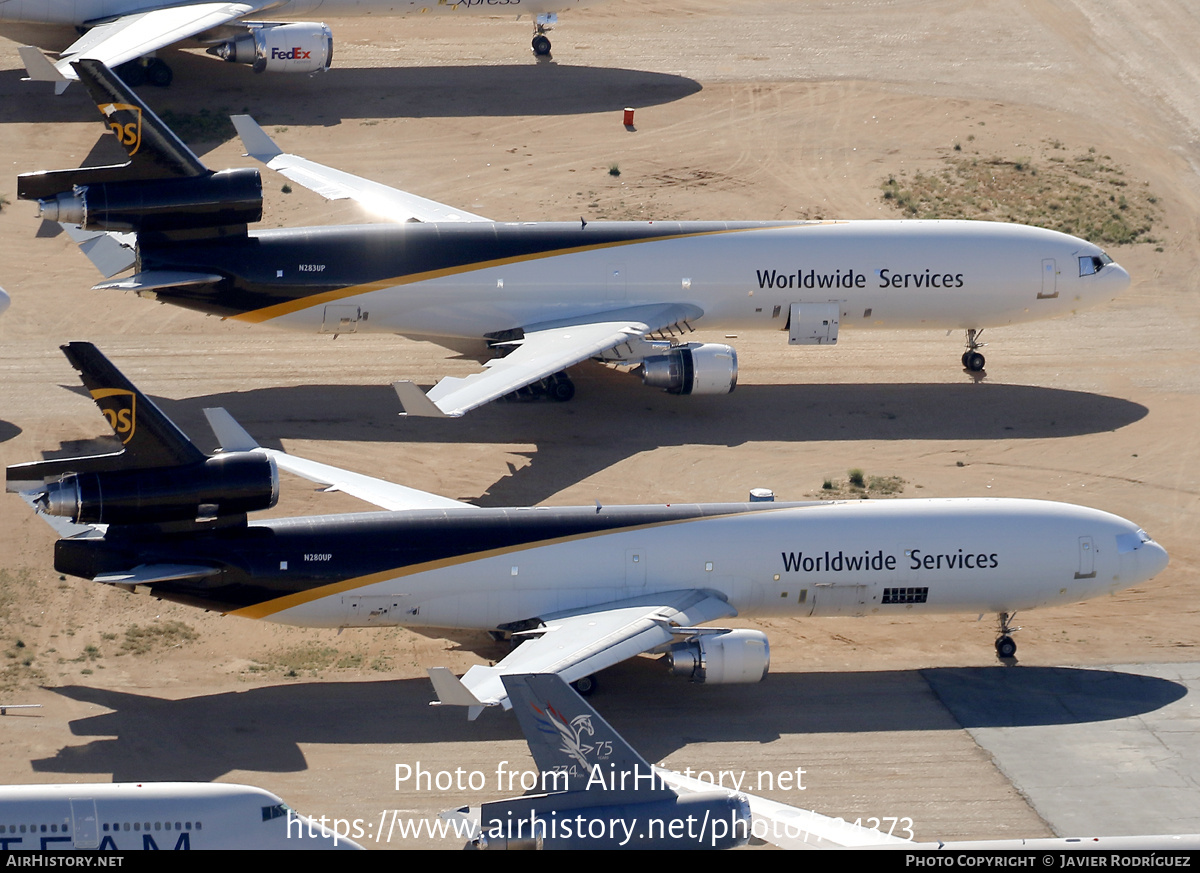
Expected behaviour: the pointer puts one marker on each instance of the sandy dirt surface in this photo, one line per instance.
(784, 111)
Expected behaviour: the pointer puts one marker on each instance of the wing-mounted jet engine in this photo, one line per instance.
(158, 477)
(163, 189)
(276, 47)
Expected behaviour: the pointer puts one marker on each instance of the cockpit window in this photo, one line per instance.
(1089, 265)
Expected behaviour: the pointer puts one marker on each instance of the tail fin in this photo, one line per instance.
(567, 736)
(153, 148)
(149, 437)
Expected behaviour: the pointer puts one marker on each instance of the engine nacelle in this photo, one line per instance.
(221, 486)
(303, 47)
(694, 368)
(227, 197)
(732, 657)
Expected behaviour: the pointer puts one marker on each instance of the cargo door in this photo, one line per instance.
(813, 324)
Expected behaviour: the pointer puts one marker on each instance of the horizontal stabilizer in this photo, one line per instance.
(149, 574)
(153, 280)
(110, 252)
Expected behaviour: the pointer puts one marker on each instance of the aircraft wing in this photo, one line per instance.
(129, 37)
(334, 184)
(578, 644)
(789, 827)
(545, 350)
(388, 495)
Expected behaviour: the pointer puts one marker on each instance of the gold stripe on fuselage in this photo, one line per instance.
(257, 316)
(299, 598)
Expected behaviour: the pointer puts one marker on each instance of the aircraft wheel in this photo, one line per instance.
(973, 361)
(541, 45)
(132, 73)
(964, 357)
(159, 74)
(561, 388)
(586, 686)
(1005, 647)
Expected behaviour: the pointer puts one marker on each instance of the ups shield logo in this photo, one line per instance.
(126, 122)
(120, 408)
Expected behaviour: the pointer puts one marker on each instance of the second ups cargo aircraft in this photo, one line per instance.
(585, 587)
(540, 297)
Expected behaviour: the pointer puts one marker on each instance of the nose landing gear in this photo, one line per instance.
(1005, 646)
(972, 359)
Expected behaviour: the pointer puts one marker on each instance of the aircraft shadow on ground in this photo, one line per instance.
(8, 430)
(615, 418)
(344, 93)
(262, 729)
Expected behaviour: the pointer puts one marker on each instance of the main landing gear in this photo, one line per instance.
(972, 359)
(1005, 646)
(146, 70)
(558, 388)
(541, 42)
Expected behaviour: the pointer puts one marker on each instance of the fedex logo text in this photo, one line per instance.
(294, 54)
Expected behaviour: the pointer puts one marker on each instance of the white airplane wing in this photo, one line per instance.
(336, 185)
(579, 644)
(133, 36)
(388, 495)
(789, 827)
(545, 350)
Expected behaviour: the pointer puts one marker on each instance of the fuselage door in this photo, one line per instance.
(341, 318)
(1049, 280)
(635, 568)
(85, 828)
(1087, 559)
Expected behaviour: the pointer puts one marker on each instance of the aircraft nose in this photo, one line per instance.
(1152, 559)
(4, 300)
(1116, 278)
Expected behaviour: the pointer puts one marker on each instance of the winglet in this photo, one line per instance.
(231, 435)
(39, 68)
(255, 140)
(451, 692)
(416, 402)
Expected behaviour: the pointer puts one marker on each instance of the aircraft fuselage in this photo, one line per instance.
(487, 568)
(474, 280)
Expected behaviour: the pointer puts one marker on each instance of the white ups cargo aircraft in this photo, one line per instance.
(129, 32)
(541, 297)
(585, 587)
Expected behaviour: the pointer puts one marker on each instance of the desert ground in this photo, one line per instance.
(770, 111)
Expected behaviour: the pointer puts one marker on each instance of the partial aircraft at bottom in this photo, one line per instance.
(584, 587)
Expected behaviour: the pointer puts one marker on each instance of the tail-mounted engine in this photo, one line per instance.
(220, 487)
(722, 658)
(164, 187)
(693, 368)
(304, 47)
(226, 197)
